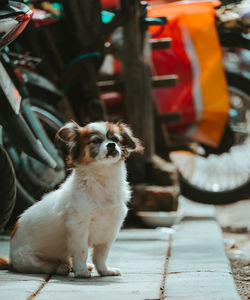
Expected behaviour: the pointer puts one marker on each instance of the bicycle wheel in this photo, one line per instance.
(221, 178)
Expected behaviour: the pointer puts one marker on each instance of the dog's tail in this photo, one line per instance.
(4, 264)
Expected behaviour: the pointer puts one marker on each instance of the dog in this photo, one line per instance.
(87, 210)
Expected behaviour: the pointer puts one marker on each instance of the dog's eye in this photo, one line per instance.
(96, 140)
(115, 139)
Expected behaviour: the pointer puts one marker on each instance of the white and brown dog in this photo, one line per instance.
(87, 210)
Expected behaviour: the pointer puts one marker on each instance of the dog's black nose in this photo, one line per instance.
(111, 149)
(111, 146)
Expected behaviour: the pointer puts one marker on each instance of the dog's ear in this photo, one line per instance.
(69, 134)
(129, 141)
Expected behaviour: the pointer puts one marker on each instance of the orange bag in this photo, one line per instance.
(196, 57)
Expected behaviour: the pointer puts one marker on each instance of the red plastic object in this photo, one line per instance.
(42, 18)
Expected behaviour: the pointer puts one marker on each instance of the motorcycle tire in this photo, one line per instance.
(27, 192)
(7, 187)
(231, 192)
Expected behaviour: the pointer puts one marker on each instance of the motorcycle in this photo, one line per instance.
(222, 175)
(23, 136)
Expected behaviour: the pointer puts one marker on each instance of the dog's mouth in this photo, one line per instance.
(112, 153)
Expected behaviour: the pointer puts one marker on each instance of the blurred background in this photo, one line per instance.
(177, 72)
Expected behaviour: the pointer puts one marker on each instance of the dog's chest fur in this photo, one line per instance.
(99, 202)
(104, 224)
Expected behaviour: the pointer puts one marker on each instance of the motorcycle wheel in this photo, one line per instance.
(7, 187)
(221, 178)
(34, 178)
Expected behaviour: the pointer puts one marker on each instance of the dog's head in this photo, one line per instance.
(102, 142)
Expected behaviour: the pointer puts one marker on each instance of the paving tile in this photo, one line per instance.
(198, 246)
(198, 267)
(201, 285)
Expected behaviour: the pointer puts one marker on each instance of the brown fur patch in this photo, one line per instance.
(4, 263)
(14, 231)
(113, 128)
(84, 156)
(129, 141)
(77, 151)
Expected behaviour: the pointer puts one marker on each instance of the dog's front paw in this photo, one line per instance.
(110, 272)
(83, 274)
(89, 266)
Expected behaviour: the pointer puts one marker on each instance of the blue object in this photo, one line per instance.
(233, 112)
(80, 57)
(106, 16)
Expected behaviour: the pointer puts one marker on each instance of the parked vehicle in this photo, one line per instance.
(24, 122)
(9, 20)
(222, 175)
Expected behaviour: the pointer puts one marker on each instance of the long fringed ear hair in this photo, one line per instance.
(69, 134)
(130, 143)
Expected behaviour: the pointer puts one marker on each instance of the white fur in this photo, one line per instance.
(99, 126)
(86, 211)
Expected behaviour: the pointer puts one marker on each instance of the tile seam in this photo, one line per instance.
(165, 270)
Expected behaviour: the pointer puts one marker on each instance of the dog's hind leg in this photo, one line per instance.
(63, 268)
(36, 264)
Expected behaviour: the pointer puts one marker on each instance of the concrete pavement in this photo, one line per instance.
(186, 262)
(140, 254)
